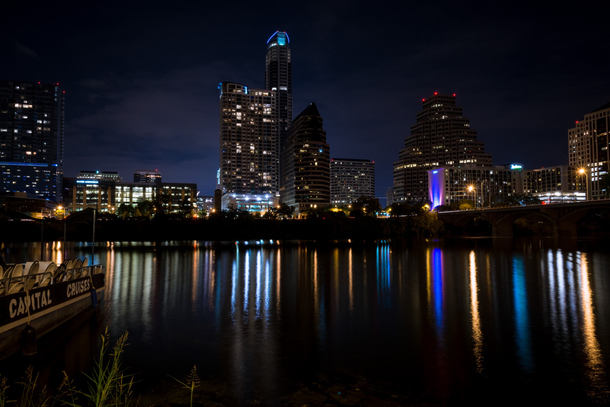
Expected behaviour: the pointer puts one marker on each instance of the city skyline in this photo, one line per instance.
(141, 92)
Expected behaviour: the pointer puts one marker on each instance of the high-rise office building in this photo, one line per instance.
(305, 162)
(248, 141)
(441, 136)
(31, 139)
(350, 179)
(278, 78)
(589, 149)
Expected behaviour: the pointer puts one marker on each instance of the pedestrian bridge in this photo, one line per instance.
(563, 217)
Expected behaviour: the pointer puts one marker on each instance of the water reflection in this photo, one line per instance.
(521, 314)
(477, 334)
(434, 318)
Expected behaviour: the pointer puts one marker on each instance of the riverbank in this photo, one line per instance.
(217, 229)
(323, 392)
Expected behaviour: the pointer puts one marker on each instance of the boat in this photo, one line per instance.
(38, 297)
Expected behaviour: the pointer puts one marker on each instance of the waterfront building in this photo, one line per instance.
(147, 176)
(248, 142)
(441, 137)
(555, 184)
(108, 195)
(31, 139)
(205, 203)
(483, 185)
(278, 78)
(350, 179)
(589, 149)
(475, 183)
(305, 163)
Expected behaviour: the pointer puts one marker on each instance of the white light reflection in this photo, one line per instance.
(246, 284)
(351, 281)
(595, 362)
(477, 334)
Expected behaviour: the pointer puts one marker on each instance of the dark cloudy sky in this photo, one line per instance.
(141, 77)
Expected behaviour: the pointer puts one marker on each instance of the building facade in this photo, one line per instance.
(249, 161)
(100, 175)
(558, 184)
(478, 184)
(278, 78)
(305, 162)
(350, 179)
(589, 149)
(108, 196)
(483, 185)
(441, 136)
(147, 176)
(31, 139)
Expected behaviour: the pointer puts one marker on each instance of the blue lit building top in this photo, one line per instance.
(278, 38)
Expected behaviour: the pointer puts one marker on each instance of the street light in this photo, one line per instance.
(471, 189)
(582, 171)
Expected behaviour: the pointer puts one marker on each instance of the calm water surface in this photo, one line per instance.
(445, 322)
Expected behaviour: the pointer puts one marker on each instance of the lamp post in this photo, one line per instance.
(483, 194)
(582, 171)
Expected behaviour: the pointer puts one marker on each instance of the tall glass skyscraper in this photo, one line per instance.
(31, 139)
(248, 141)
(278, 77)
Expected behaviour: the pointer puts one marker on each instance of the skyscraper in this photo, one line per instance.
(306, 163)
(248, 141)
(350, 179)
(31, 138)
(589, 149)
(441, 136)
(278, 77)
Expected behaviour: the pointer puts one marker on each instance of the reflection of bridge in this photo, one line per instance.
(562, 217)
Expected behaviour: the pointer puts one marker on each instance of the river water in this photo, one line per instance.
(432, 321)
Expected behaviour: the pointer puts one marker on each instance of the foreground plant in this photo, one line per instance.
(192, 382)
(108, 384)
(3, 387)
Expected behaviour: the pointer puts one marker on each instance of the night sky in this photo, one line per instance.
(141, 77)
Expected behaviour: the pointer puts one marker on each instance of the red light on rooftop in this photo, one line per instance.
(576, 121)
(423, 100)
(454, 95)
(435, 93)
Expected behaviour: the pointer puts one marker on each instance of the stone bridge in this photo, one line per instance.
(562, 217)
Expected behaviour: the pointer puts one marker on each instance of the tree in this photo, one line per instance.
(369, 206)
(146, 209)
(285, 210)
(125, 211)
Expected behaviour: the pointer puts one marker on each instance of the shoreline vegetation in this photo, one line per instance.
(219, 229)
(109, 384)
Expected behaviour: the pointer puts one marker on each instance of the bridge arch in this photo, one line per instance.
(503, 224)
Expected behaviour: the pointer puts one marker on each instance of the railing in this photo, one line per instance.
(13, 279)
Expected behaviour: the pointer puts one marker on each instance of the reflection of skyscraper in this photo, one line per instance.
(440, 137)
(31, 139)
(278, 77)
